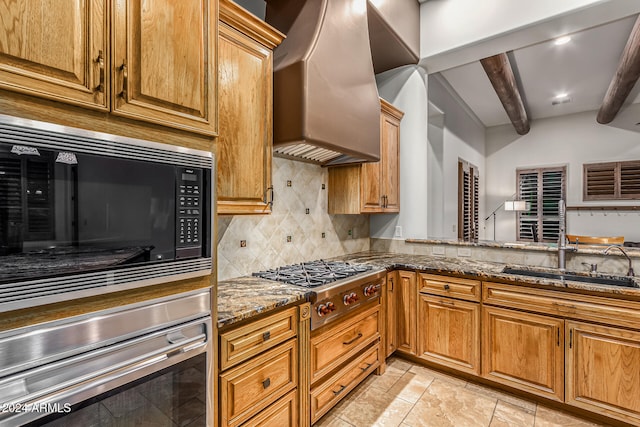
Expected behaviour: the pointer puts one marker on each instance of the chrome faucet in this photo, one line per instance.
(606, 252)
(562, 238)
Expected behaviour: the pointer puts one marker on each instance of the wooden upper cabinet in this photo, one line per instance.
(245, 49)
(164, 62)
(56, 49)
(371, 187)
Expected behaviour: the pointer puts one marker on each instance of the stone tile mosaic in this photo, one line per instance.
(266, 235)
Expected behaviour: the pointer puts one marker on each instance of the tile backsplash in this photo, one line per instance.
(298, 229)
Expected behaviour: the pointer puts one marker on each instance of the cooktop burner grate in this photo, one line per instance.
(313, 273)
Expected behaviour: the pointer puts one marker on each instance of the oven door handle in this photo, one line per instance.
(65, 389)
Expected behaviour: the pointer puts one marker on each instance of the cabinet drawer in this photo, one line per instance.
(283, 413)
(242, 343)
(249, 388)
(610, 311)
(450, 287)
(338, 343)
(329, 392)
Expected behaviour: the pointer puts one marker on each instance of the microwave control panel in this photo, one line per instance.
(189, 213)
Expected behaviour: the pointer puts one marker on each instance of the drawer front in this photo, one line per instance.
(610, 311)
(249, 388)
(283, 413)
(326, 394)
(450, 287)
(244, 342)
(340, 342)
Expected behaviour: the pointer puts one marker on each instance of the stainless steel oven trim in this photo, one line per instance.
(16, 130)
(14, 296)
(64, 338)
(171, 342)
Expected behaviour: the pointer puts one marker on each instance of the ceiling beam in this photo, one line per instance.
(624, 79)
(500, 74)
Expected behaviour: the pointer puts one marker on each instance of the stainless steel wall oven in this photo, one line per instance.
(84, 213)
(148, 363)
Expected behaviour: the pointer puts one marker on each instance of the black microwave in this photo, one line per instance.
(84, 213)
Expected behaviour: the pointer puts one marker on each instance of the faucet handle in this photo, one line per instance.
(593, 268)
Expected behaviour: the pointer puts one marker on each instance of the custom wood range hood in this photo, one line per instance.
(326, 105)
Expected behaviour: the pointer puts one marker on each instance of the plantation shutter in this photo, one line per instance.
(468, 201)
(543, 188)
(611, 181)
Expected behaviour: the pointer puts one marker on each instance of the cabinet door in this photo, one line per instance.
(164, 62)
(603, 370)
(390, 154)
(245, 141)
(406, 295)
(524, 350)
(55, 49)
(390, 315)
(449, 333)
(370, 189)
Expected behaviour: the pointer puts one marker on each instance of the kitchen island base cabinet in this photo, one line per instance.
(524, 350)
(603, 370)
(449, 333)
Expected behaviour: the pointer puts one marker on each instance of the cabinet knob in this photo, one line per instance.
(446, 287)
(266, 335)
(266, 383)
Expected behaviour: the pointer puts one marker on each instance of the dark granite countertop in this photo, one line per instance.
(244, 297)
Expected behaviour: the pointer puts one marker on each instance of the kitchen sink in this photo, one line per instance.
(625, 281)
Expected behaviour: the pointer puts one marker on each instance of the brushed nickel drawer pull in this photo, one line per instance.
(337, 392)
(266, 383)
(354, 339)
(266, 335)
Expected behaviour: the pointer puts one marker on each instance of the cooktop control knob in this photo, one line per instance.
(324, 309)
(350, 298)
(371, 290)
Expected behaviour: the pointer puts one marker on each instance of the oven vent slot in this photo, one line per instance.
(64, 138)
(45, 291)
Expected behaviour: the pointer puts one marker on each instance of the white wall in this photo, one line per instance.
(567, 140)
(406, 89)
(460, 136)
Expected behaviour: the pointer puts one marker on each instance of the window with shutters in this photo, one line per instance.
(543, 188)
(611, 181)
(468, 188)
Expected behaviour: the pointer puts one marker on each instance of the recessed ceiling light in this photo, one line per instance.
(562, 40)
(561, 95)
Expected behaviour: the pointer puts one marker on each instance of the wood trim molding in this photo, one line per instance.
(239, 18)
(502, 79)
(624, 79)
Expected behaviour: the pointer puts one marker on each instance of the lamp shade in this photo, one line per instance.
(516, 205)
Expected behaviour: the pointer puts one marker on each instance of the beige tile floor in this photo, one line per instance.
(409, 395)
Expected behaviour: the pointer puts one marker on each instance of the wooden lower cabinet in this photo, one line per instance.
(390, 315)
(406, 310)
(330, 391)
(449, 332)
(283, 413)
(524, 350)
(253, 386)
(262, 381)
(603, 370)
